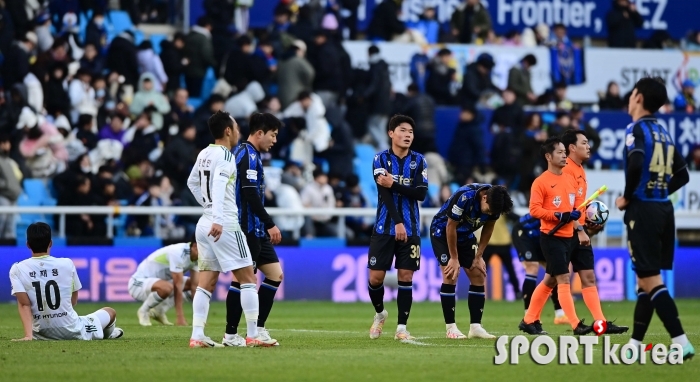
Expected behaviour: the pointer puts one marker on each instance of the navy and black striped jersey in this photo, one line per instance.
(409, 171)
(529, 225)
(661, 159)
(250, 174)
(464, 207)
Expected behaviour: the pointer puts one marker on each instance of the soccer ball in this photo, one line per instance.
(597, 212)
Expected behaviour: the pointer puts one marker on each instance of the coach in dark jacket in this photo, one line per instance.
(326, 60)
(439, 78)
(172, 55)
(377, 95)
(199, 50)
(421, 108)
(121, 58)
(16, 65)
(622, 20)
(244, 67)
(477, 79)
(385, 21)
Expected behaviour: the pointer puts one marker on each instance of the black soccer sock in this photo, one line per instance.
(404, 300)
(376, 294)
(666, 310)
(447, 298)
(555, 299)
(234, 310)
(266, 297)
(477, 299)
(529, 285)
(643, 312)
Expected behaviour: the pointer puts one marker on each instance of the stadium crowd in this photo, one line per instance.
(108, 122)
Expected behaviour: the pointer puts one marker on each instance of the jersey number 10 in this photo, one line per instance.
(53, 302)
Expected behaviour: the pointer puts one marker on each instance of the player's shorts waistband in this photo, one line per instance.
(227, 226)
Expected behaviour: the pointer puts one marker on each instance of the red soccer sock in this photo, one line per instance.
(567, 303)
(592, 300)
(537, 302)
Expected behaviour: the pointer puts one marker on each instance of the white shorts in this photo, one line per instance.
(93, 325)
(140, 288)
(230, 253)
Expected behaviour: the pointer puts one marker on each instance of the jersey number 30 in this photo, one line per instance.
(54, 302)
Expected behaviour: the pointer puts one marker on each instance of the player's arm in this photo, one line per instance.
(486, 232)
(418, 188)
(193, 183)
(178, 285)
(24, 305)
(680, 176)
(384, 193)
(221, 174)
(75, 287)
(249, 192)
(536, 203)
(74, 298)
(635, 160)
(454, 213)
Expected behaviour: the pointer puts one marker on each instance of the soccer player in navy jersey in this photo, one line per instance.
(454, 244)
(654, 169)
(402, 182)
(258, 227)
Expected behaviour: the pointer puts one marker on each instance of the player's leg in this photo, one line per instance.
(407, 262)
(269, 265)
(503, 252)
(379, 257)
(448, 289)
(159, 313)
(209, 268)
(530, 282)
(108, 320)
(234, 311)
(161, 290)
(559, 315)
(476, 302)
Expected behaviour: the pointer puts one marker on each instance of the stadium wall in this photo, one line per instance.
(340, 274)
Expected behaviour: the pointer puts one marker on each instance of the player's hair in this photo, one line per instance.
(499, 200)
(39, 237)
(570, 137)
(550, 145)
(654, 91)
(218, 123)
(264, 122)
(398, 119)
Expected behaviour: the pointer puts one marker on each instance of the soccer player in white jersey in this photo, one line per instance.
(222, 246)
(46, 289)
(160, 282)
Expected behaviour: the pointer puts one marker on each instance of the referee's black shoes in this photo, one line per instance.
(534, 328)
(616, 329)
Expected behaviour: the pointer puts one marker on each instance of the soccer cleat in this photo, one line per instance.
(160, 317)
(144, 317)
(688, 351)
(403, 335)
(260, 342)
(378, 325)
(116, 333)
(205, 342)
(236, 341)
(582, 329)
(561, 320)
(480, 332)
(263, 333)
(534, 328)
(454, 333)
(616, 329)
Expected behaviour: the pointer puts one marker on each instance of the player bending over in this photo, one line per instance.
(526, 240)
(553, 200)
(46, 289)
(222, 246)
(402, 181)
(578, 151)
(654, 169)
(452, 235)
(160, 282)
(260, 231)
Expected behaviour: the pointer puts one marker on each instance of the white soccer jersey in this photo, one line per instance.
(212, 182)
(49, 282)
(162, 263)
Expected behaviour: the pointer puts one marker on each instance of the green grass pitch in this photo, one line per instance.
(323, 341)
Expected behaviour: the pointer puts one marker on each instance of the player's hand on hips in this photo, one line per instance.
(215, 231)
(479, 265)
(401, 232)
(583, 238)
(621, 202)
(275, 235)
(452, 269)
(22, 339)
(385, 180)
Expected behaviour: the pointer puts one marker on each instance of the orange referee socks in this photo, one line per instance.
(567, 303)
(537, 302)
(592, 300)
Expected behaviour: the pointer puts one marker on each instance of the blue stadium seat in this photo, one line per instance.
(156, 40)
(25, 220)
(194, 102)
(120, 21)
(138, 242)
(208, 83)
(36, 190)
(433, 190)
(277, 163)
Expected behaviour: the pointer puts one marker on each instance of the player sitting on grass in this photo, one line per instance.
(46, 289)
(160, 282)
(452, 235)
(402, 181)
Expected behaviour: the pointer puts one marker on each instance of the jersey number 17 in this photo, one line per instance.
(206, 173)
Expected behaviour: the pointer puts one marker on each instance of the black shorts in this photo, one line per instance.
(383, 248)
(465, 251)
(557, 254)
(651, 236)
(581, 255)
(261, 249)
(528, 248)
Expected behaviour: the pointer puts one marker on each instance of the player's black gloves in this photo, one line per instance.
(563, 217)
(575, 215)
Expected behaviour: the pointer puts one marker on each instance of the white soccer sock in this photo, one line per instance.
(558, 313)
(401, 328)
(166, 304)
(680, 340)
(450, 326)
(251, 308)
(634, 342)
(200, 309)
(152, 301)
(229, 337)
(474, 326)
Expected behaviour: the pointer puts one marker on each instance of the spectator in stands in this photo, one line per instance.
(172, 55)
(146, 194)
(562, 122)
(505, 152)
(82, 225)
(341, 148)
(201, 116)
(221, 15)
(319, 194)
(91, 61)
(427, 25)
(180, 111)
(35, 92)
(84, 131)
(42, 29)
(326, 60)
(693, 159)
(148, 99)
(419, 68)
(385, 23)
(611, 100)
(353, 198)
(96, 32)
(511, 38)
(57, 100)
(470, 21)
(73, 145)
(42, 145)
(115, 129)
(659, 39)
(477, 79)
(467, 147)
(293, 175)
(531, 160)
(122, 58)
(295, 74)
(82, 95)
(179, 156)
(685, 100)
(520, 81)
(509, 115)
(440, 78)
(556, 98)
(532, 37)
(317, 135)
(140, 141)
(245, 103)
(622, 21)
(10, 187)
(693, 41)
(377, 95)
(280, 32)
(244, 67)
(199, 52)
(16, 61)
(149, 62)
(421, 108)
